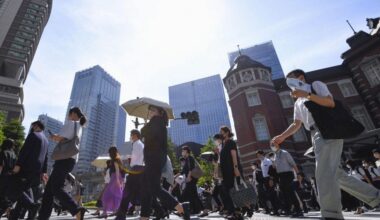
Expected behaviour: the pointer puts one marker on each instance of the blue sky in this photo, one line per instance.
(151, 45)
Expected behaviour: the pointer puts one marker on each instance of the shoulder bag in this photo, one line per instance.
(66, 148)
(334, 123)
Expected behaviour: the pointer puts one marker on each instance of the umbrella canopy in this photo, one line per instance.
(139, 107)
(208, 156)
(101, 161)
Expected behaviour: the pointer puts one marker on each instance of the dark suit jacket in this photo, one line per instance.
(33, 155)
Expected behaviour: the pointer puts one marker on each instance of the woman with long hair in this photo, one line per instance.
(113, 192)
(231, 169)
(61, 168)
(154, 135)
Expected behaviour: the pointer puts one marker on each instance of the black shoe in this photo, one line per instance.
(82, 211)
(250, 213)
(32, 212)
(186, 211)
(297, 215)
(120, 217)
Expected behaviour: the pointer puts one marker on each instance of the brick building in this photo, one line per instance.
(263, 108)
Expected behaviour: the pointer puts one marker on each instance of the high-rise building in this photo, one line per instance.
(206, 96)
(121, 127)
(21, 25)
(263, 53)
(54, 126)
(98, 95)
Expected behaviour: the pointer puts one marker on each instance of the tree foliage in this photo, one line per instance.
(206, 166)
(15, 131)
(173, 155)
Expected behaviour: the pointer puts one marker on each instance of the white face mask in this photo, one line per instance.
(296, 84)
(273, 148)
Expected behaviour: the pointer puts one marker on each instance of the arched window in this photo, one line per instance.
(261, 127)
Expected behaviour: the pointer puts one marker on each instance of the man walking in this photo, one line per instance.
(132, 187)
(285, 167)
(30, 167)
(327, 151)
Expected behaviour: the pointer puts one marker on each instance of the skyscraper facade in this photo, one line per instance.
(263, 53)
(121, 127)
(98, 95)
(206, 96)
(21, 25)
(54, 126)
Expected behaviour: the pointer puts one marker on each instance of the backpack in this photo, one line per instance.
(8, 159)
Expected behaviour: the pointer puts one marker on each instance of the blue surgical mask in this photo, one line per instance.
(296, 84)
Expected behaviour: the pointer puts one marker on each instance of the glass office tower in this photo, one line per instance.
(98, 95)
(263, 53)
(206, 96)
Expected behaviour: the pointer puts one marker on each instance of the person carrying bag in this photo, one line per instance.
(65, 155)
(328, 123)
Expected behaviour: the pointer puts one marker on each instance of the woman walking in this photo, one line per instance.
(231, 169)
(154, 135)
(113, 192)
(61, 168)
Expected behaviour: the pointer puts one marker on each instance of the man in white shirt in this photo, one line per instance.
(132, 187)
(327, 151)
(265, 165)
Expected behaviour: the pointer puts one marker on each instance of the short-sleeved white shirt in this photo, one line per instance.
(67, 131)
(265, 164)
(301, 112)
(137, 157)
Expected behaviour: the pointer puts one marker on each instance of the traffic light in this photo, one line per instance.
(192, 117)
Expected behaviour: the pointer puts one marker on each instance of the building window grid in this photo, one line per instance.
(371, 70)
(360, 113)
(261, 128)
(253, 98)
(347, 88)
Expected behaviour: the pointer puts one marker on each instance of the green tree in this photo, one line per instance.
(15, 131)
(207, 167)
(173, 155)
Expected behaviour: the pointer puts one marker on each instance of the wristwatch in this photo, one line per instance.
(308, 96)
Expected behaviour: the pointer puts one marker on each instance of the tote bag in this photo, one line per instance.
(334, 123)
(243, 195)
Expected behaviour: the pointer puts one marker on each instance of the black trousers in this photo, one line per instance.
(151, 185)
(289, 194)
(216, 194)
(131, 193)
(226, 198)
(190, 194)
(54, 189)
(21, 191)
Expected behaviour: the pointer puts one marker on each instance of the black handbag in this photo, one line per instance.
(334, 123)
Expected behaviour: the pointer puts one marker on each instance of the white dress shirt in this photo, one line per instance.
(137, 157)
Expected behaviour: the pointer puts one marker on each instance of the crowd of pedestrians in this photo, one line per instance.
(147, 185)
